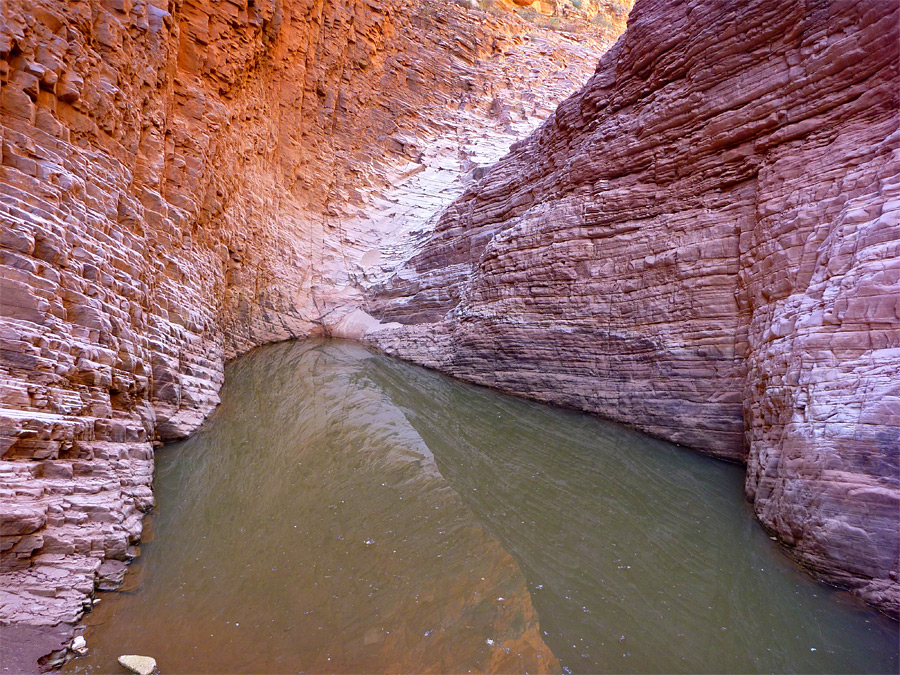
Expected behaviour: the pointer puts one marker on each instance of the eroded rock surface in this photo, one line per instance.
(184, 180)
(704, 242)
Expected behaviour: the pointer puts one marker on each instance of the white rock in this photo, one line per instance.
(142, 665)
(79, 645)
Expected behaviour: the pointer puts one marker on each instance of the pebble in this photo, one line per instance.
(142, 665)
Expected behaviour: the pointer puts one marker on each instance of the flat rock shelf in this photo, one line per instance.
(342, 511)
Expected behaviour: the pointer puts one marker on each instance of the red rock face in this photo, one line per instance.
(704, 243)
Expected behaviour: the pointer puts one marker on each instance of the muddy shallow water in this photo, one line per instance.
(345, 512)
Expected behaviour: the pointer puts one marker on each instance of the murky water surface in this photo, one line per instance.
(345, 512)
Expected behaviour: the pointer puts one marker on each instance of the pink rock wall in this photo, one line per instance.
(704, 243)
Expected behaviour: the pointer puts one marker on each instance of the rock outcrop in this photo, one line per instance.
(704, 243)
(184, 180)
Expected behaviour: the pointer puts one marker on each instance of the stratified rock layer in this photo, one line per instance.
(705, 243)
(183, 180)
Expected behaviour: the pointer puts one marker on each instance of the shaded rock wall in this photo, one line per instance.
(184, 180)
(704, 242)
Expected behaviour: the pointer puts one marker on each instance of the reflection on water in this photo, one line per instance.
(345, 512)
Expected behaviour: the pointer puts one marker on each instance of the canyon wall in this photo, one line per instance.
(183, 180)
(704, 242)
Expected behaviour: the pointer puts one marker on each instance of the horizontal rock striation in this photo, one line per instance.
(704, 242)
(183, 180)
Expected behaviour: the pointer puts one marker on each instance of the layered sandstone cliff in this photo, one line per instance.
(184, 180)
(704, 242)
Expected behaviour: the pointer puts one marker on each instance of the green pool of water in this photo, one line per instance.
(345, 512)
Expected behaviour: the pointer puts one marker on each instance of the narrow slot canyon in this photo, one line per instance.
(681, 218)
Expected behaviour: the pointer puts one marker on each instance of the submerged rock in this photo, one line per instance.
(142, 665)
